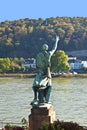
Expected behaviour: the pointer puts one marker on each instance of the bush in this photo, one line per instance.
(11, 127)
(60, 125)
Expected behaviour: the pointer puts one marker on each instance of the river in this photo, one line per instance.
(68, 96)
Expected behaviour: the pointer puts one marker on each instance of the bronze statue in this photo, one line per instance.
(42, 82)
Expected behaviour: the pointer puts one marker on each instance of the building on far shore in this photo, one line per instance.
(76, 64)
(29, 64)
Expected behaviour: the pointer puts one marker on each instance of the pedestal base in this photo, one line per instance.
(40, 115)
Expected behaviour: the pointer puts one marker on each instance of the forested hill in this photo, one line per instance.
(25, 37)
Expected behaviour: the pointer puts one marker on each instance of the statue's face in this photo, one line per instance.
(45, 47)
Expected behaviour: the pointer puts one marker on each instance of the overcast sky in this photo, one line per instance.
(34, 9)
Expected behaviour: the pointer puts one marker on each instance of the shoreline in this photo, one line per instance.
(32, 75)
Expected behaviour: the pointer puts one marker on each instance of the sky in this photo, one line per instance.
(19, 9)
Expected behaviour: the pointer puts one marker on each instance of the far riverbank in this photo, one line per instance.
(21, 75)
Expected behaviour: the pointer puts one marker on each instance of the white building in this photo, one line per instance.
(29, 63)
(84, 64)
(76, 65)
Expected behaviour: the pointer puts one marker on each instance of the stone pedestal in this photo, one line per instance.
(40, 115)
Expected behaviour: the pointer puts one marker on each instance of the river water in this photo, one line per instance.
(68, 96)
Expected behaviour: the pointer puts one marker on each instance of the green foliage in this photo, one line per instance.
(9, 126)
(9, 64)
(44, 126)
(24, 37)
(5, 64)
(60, 125)
(60, 62)
(24, 124)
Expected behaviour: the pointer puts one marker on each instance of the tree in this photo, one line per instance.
(60, 62)
(60, 32)
(5, 64)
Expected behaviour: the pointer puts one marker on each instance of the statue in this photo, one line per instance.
(42, 83)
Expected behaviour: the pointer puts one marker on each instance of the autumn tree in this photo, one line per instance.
(60, 62)
(5, 64)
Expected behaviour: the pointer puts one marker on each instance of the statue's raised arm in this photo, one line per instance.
(55, 46)
(57, 39)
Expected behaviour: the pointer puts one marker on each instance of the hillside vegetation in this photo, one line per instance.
(25, 37)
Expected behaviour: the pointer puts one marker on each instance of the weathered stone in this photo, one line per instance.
(40, 115)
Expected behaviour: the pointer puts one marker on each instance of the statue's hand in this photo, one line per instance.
(57, 39)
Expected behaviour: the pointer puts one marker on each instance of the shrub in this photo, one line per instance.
(60, 125)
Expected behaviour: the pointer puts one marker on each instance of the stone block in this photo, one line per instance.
(40, 115)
